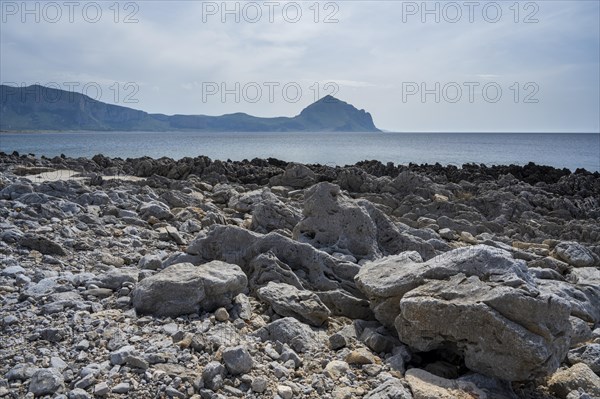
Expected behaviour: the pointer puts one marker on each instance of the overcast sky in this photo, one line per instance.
(176, 57)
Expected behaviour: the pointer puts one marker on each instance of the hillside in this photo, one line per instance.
(43, 108)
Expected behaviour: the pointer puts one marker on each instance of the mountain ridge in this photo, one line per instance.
(40, 108)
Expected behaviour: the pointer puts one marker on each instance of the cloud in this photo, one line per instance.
(371, 53)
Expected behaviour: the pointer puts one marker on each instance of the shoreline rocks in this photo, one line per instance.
(196, 278)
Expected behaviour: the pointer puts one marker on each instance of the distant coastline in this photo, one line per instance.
(49, 109)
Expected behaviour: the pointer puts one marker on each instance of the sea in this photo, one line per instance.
(561, 150)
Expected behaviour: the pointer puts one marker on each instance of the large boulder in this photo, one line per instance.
(184, 288)
(336, 223)
(287, 300)
(273, 257)
(477, 301)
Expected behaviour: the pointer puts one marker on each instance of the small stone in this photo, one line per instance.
(259, 384)
(221, 314)
(58, 363)
(212, 375)
(285, 392)
(360, 356)
(237, 360)
(137, 362)
(120, 356)
(101, 389)
(123, 387)
(337, 341)
(78, 393)
(9, 320)
(336, 369)
(174, 393)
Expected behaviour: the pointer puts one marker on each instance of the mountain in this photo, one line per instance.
(44, 108)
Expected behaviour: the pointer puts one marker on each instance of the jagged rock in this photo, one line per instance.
(237, 360)
(276, 257)
(584, 297)
(272, 214)
(245, 202)
(575, 254)
(42, 244)
(336, 223)
(155, 209)
(287, 300)
(588, 354)
(425, 385)
(437, 303)
(184, 288)
(290, 331)
(392, 388)
(342, 303)
(46, 382)
(295, 175)
(577, 377)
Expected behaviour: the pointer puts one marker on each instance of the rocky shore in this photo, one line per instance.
(196, 278)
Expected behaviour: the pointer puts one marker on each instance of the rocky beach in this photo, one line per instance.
(199, 278)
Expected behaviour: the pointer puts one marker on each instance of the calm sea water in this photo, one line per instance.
(559, 150)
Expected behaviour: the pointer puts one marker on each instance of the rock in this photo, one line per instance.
(46, 382)
(246, 202)
(575, 254)
(78, 393)
(101, 389)
(15, 190)
(287, 300)
(184, 288)
(378, 341)
(290, 331)
(273, 257)
(334, 222)
(150, 262)
(296, 176)
(169, 233)
(448, 234)
(578, 376)
(155, 209)
(580, 331)
(342, 303)
(259, 384)
(221, 314)
(237, 360)
(437, 304)
(121, 355)
(123, 387)
(425, 385)
(212, 375)
(392, 388)
(272, 214)
(361, 356)
(336, 369)
(42, 244)
(584, 297)
(588, 354)
(285, 392)
(114, 278)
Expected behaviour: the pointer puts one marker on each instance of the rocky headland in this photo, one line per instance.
(197, 278)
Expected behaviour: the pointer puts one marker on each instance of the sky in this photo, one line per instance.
(480, 66)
